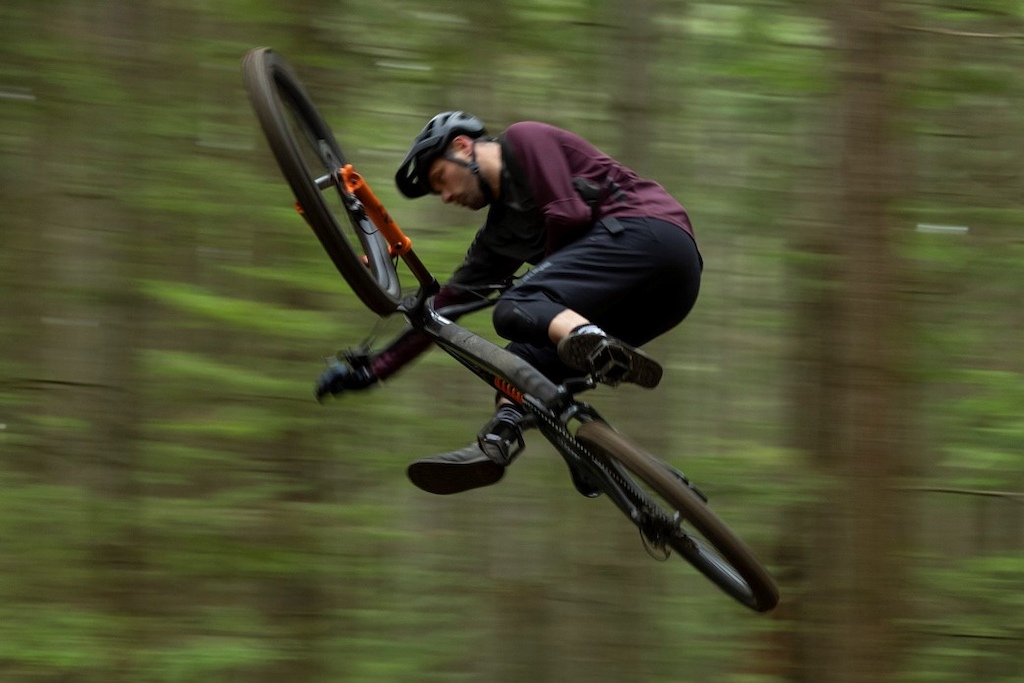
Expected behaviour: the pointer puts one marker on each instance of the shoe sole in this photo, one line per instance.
(609, 360)
(444, 479)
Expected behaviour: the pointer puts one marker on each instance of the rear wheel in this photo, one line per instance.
(311, 161)
(710, 546)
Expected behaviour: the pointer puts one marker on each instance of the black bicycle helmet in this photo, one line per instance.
(431, 143)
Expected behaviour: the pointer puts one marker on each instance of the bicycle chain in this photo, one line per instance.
(563, 434)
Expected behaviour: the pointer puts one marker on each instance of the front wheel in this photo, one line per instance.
(311, 161)
(714, 549)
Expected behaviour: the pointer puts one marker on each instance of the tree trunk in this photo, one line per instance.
(633, 98)
(852, 349)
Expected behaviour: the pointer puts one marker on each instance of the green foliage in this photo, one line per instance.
(58, 638)
(170, 367)
(243, 315)
(982, 441)
(980, 622)
(176, 507)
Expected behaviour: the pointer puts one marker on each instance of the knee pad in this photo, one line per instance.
(513, 322)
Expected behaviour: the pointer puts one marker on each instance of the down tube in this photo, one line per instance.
(490, 362)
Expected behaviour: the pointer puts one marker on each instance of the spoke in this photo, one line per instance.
(325, 181)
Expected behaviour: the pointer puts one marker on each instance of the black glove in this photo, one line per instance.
(339, 377)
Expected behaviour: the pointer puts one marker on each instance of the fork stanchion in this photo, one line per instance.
(398, 243)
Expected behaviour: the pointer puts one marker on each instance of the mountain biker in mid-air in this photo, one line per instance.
(614, 261)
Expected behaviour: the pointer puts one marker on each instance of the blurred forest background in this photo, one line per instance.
(174, 505)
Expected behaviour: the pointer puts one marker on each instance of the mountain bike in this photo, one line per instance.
(366, 246)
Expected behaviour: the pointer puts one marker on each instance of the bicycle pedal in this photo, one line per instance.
(610, 363)
(500, 450)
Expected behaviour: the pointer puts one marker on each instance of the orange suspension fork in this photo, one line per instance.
(398, 243)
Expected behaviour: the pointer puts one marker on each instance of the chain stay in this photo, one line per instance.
(655, 527)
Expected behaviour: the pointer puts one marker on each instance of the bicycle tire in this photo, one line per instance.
(720, 555)
(310, 159)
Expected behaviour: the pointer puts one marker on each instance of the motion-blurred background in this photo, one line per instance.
(174, 506)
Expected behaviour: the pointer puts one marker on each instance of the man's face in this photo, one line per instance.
(453, 181)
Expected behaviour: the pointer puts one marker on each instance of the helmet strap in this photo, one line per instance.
(474, 168)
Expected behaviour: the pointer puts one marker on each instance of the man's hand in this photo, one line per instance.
(340, 377)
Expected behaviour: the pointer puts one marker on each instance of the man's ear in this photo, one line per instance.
(462, 143)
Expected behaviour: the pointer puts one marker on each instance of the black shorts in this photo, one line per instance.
(636, 278)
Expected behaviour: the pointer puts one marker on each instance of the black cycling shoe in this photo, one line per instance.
(480, 464)
(609, 360)
(461, 470)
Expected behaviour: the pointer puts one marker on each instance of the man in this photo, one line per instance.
(614, 261)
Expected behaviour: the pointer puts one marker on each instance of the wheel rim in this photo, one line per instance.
(322, 159)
